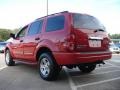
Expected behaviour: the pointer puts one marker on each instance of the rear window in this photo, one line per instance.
(87, 22)
(55, 23)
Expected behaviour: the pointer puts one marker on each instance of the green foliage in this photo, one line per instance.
(114, 36)
(4, 34)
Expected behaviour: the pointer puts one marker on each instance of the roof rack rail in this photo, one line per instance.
(64, 12)
(52, 14)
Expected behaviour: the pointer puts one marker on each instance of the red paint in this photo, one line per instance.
(68, 46)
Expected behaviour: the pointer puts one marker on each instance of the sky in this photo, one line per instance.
(17, 13)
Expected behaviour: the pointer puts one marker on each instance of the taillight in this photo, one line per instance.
(70, 42)
(106, 41)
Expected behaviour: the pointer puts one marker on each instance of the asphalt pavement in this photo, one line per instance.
(26, 77)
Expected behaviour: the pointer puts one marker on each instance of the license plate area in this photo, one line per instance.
(94, 43)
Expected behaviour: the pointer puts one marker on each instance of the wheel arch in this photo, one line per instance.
(6, 48)
(10, 49)
(44, 50)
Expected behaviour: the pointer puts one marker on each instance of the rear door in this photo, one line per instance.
(32, 39)
(90, 33)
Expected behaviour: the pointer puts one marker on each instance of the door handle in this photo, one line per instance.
(37, 38)
(21, 40)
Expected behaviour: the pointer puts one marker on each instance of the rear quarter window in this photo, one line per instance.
(55, 23)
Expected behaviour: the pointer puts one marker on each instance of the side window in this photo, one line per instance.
(35, 27)
(55, 23)
(22, 32)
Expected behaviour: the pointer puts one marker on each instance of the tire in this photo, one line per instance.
(87, 68)
(48, 69)
(117, 52)
(8, 59)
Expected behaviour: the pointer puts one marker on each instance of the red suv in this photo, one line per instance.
(61, 39)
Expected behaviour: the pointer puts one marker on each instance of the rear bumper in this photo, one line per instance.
(78, 58)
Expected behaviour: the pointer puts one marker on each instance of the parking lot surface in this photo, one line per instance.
(26, 77)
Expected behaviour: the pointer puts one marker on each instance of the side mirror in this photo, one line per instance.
(12, 35)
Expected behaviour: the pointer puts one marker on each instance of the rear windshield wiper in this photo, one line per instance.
(99, 30)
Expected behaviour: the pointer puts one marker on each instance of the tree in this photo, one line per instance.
(0, 38)
(4, 34)
(16, 30)
(114, 36)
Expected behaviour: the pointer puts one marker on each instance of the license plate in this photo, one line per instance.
(94, 43)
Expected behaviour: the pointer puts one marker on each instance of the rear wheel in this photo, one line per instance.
(87, 68)
(48, 69)
(8, 59)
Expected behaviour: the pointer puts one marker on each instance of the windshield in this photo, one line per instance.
(86, 22)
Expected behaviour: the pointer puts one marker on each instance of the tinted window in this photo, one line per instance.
(35, 27)
(55, 23)
(21, 33)
(86, 21)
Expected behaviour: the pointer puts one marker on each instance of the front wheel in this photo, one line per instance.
(87, 68)
(8, 59)
(48, 69)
